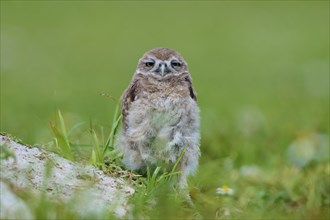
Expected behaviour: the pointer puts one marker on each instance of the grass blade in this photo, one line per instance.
(63, 128)
(116, 120)
(62, 142)
(76, 127)
(96, 146)
(178, 160)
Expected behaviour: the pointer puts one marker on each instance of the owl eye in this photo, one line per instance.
(175, 64)
(149, 64)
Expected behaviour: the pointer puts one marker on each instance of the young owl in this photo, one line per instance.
(160, 116)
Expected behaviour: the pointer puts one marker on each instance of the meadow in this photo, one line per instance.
(260, 69)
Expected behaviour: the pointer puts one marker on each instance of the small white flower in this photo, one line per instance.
(224, 190)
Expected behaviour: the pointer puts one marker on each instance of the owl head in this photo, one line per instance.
(161, 63)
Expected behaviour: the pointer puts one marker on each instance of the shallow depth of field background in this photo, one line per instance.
(260, 69)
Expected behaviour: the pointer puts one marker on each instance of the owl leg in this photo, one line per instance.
(185, 168)
(187, 165)
(132, 159)
(182, 181)
(189, 161)
(131, 156)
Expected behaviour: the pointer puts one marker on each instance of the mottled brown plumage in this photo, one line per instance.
(160, 115)
(180, 85)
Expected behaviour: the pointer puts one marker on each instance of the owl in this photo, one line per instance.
(160, 116)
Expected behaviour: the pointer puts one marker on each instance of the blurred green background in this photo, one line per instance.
(260, 69)
(271, 56)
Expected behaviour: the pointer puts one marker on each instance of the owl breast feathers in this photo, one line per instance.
(160, 116)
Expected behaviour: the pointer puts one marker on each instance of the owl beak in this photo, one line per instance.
(163, 69)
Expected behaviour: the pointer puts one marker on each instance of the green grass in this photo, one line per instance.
(277, 189)
(260, 69)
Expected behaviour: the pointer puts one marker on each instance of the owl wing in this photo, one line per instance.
(128, 97)
(191, 89)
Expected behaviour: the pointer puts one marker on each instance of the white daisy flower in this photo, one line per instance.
(224, 191)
